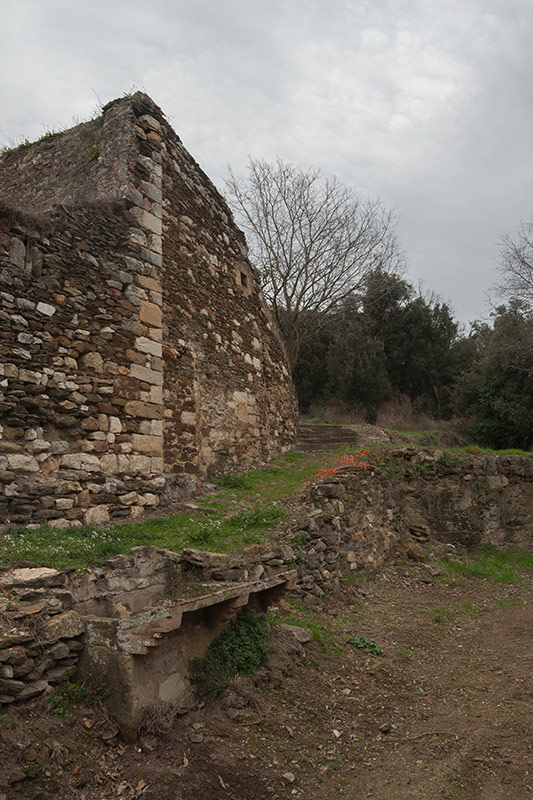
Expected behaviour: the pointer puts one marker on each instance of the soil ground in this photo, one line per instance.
(444, 712)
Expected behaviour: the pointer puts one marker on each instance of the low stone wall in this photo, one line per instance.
(40, 636)
(106, 616)
(357, 518)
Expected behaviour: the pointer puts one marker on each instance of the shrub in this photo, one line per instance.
(239, 650)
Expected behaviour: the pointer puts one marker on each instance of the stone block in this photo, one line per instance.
(71, 461)
(126, 387)
(109, 464)
(129, 499)
(89, 462)
(46, 309)
(144, 345)
(146, 374)
(150, 445)
(92, 361)
(63, 503)
(140, 465)
(151, 314)
(124, 462)
(136, 408)
(18, 461)
(145, 282)
(63, 626)
(97, 515)
(115, 425)
(17, 253)
(146, 220)
(156, 427)
(151, 499)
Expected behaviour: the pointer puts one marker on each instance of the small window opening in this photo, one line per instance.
(244, 280)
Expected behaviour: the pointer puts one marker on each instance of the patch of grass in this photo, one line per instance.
(404, 650)
(71, 693)
(502, 602)
(47, 135)
(78, 547)
(281, 478)
(446, 460)
(474, 449)
(239, 650)
(502, 566)
(363, 643)
(352, 578)
(230, 481)
(257, 518)
(441, 615)
(320, 632)
(219, 530)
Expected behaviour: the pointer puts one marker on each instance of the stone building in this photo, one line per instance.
(137, 354)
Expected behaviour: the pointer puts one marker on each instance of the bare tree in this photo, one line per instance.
(313, 239)
(516, 253)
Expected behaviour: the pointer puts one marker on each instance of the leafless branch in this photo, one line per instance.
(313, 239)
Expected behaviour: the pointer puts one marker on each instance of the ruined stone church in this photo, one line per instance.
(137, 354)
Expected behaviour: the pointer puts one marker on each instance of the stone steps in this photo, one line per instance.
(312, 437)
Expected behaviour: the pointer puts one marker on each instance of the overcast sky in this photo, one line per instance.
(425, 103)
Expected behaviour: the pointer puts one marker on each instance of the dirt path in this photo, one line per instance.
(445, 712)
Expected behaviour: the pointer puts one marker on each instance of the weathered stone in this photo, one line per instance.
(97, 515)
(31, 576)
(148, 283)
(128, 499)
(109, 464)
(147, 410)
(144, 345)
(300, 634)
(46, 309)
(64, 626)
(146, 220)
(23, 463)
(146, 374)
(60, 650)
(11, 686)
(92, 361)
(17, 253)
(150, 445)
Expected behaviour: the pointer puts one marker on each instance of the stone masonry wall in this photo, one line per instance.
(75, 417)
(135, 348)
(358, 519)
(225, 389)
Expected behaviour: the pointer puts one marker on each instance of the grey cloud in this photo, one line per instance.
(425, 103)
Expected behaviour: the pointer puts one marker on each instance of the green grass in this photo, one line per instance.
(224, 526)
(78, 547)
(474, 449)
(278, 480)
(320, 632)
(503, 566)
(404, 650)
